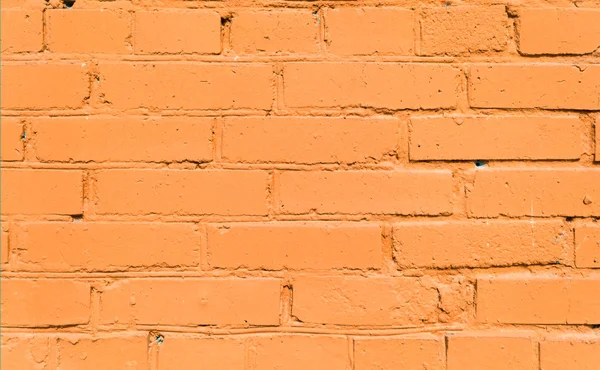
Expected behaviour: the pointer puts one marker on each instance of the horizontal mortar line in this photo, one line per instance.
(302, 112)
(539, 331)
(226, 332)
(216, 274)
(278, 218)
(239, 59)
(440, 166)
(316, 113)
(384, 165)
(284, 218)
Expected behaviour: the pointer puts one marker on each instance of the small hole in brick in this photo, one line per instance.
(569, 219)
(479, 164)
(76, 218)
(226, 19)
(69, 3)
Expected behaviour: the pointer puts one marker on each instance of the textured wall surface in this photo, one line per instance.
(325, 185)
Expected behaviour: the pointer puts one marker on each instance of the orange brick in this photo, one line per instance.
(123, 352)
(550, 86)
(4, 249)
(378, 85)
(295, 245)
(177, 32)
(495, 137)
(491, 350)
(88, 31)
(42, 192)
(302, 352)
(21, 31)
(587, 246)
(182, 192)
(366, 31)
(41, 303)
(284, 31)
(12, 139)
(354, 300)
(406, 352)
(462, 30)
(179, 352)
(357, 192)
(529, 299)
(541, 192)
(179, 85)
(559, 31)
(34, 85)
(60, 246)
(192, 302)
(25, 352)
(308, 140)
(23, 4)
(481, 244)
(572, 352)
(113, 139)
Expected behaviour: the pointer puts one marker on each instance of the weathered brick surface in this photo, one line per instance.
(22, 31)
(463, 30)
(259, 185)
(559, 31)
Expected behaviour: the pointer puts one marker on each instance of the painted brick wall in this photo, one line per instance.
(261, 185)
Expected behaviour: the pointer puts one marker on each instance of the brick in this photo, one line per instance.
(177, 32)
(123, 352)
(4, 249)
(495, 137)
(559, 31)
(12, 139)
(572, 352)
(368, 31)
(33, 85)
(184, 192)
(295, 245)
(23, 4)
(42, 303)
(463, 30)
(548, 86)
(22, 31)
(113, 139)
(302, 352)
(284, 31)
(525, 299)
(353, 300)
(491, 350)
(192, 302)
(67, 246)
(156, 85)
(308, 140)
(88, 31)
(406, 352)
(587, 246)
(541, 192)
(358, 192)
(42, 192)
(24, 352)
(377, 85)
(192, 352)
(481, 244)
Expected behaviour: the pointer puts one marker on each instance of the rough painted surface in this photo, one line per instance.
(331, 184)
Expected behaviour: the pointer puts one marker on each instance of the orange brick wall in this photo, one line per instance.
(323, 185)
